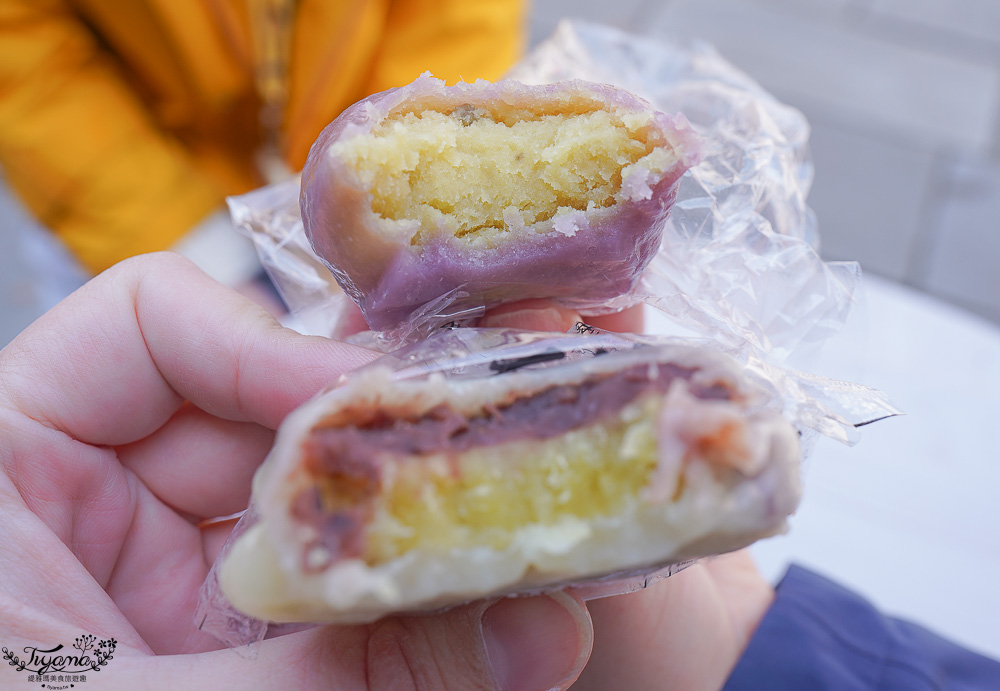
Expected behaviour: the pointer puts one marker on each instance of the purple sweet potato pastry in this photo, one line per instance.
(497, 192)
(392, 492)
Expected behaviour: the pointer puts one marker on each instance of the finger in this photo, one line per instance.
(629, 320)
(532, 645)
(215, 533)
(743, 589)
(527, 644)
(679, 633)
(350, 319)
(653, 638)
(545, 315)
(43, 581)
(115, 360)
(158, 576)
(199, 464)
(79, 492)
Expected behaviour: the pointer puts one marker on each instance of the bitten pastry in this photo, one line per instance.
(491, 193)
(385, 495)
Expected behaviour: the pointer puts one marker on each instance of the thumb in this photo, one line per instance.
(514, 644)
(540, 642)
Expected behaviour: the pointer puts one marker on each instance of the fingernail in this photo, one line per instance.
(537, 643)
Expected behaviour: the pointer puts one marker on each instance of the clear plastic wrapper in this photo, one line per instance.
(737, 270)
(755, 506)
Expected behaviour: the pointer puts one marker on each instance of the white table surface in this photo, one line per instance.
(909, 516)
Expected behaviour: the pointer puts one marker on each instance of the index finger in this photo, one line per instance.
(112, 362)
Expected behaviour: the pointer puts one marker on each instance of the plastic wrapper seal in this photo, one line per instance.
(738, 260)
(488, 462)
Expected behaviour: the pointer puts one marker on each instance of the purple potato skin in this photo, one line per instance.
(390, 279)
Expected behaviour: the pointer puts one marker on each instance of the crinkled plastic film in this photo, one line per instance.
(270, 217)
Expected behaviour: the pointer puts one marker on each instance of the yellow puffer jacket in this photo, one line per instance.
(123, 124)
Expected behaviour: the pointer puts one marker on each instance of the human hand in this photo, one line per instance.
(143, 404)
(140, 406)
(685, 632)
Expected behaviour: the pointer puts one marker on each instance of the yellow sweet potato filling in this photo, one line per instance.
(466, 174)
(435, 504)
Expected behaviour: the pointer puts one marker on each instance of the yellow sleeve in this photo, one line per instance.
(79, 147)
(454, 39)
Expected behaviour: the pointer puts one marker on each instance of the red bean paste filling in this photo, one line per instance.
(344, 459)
